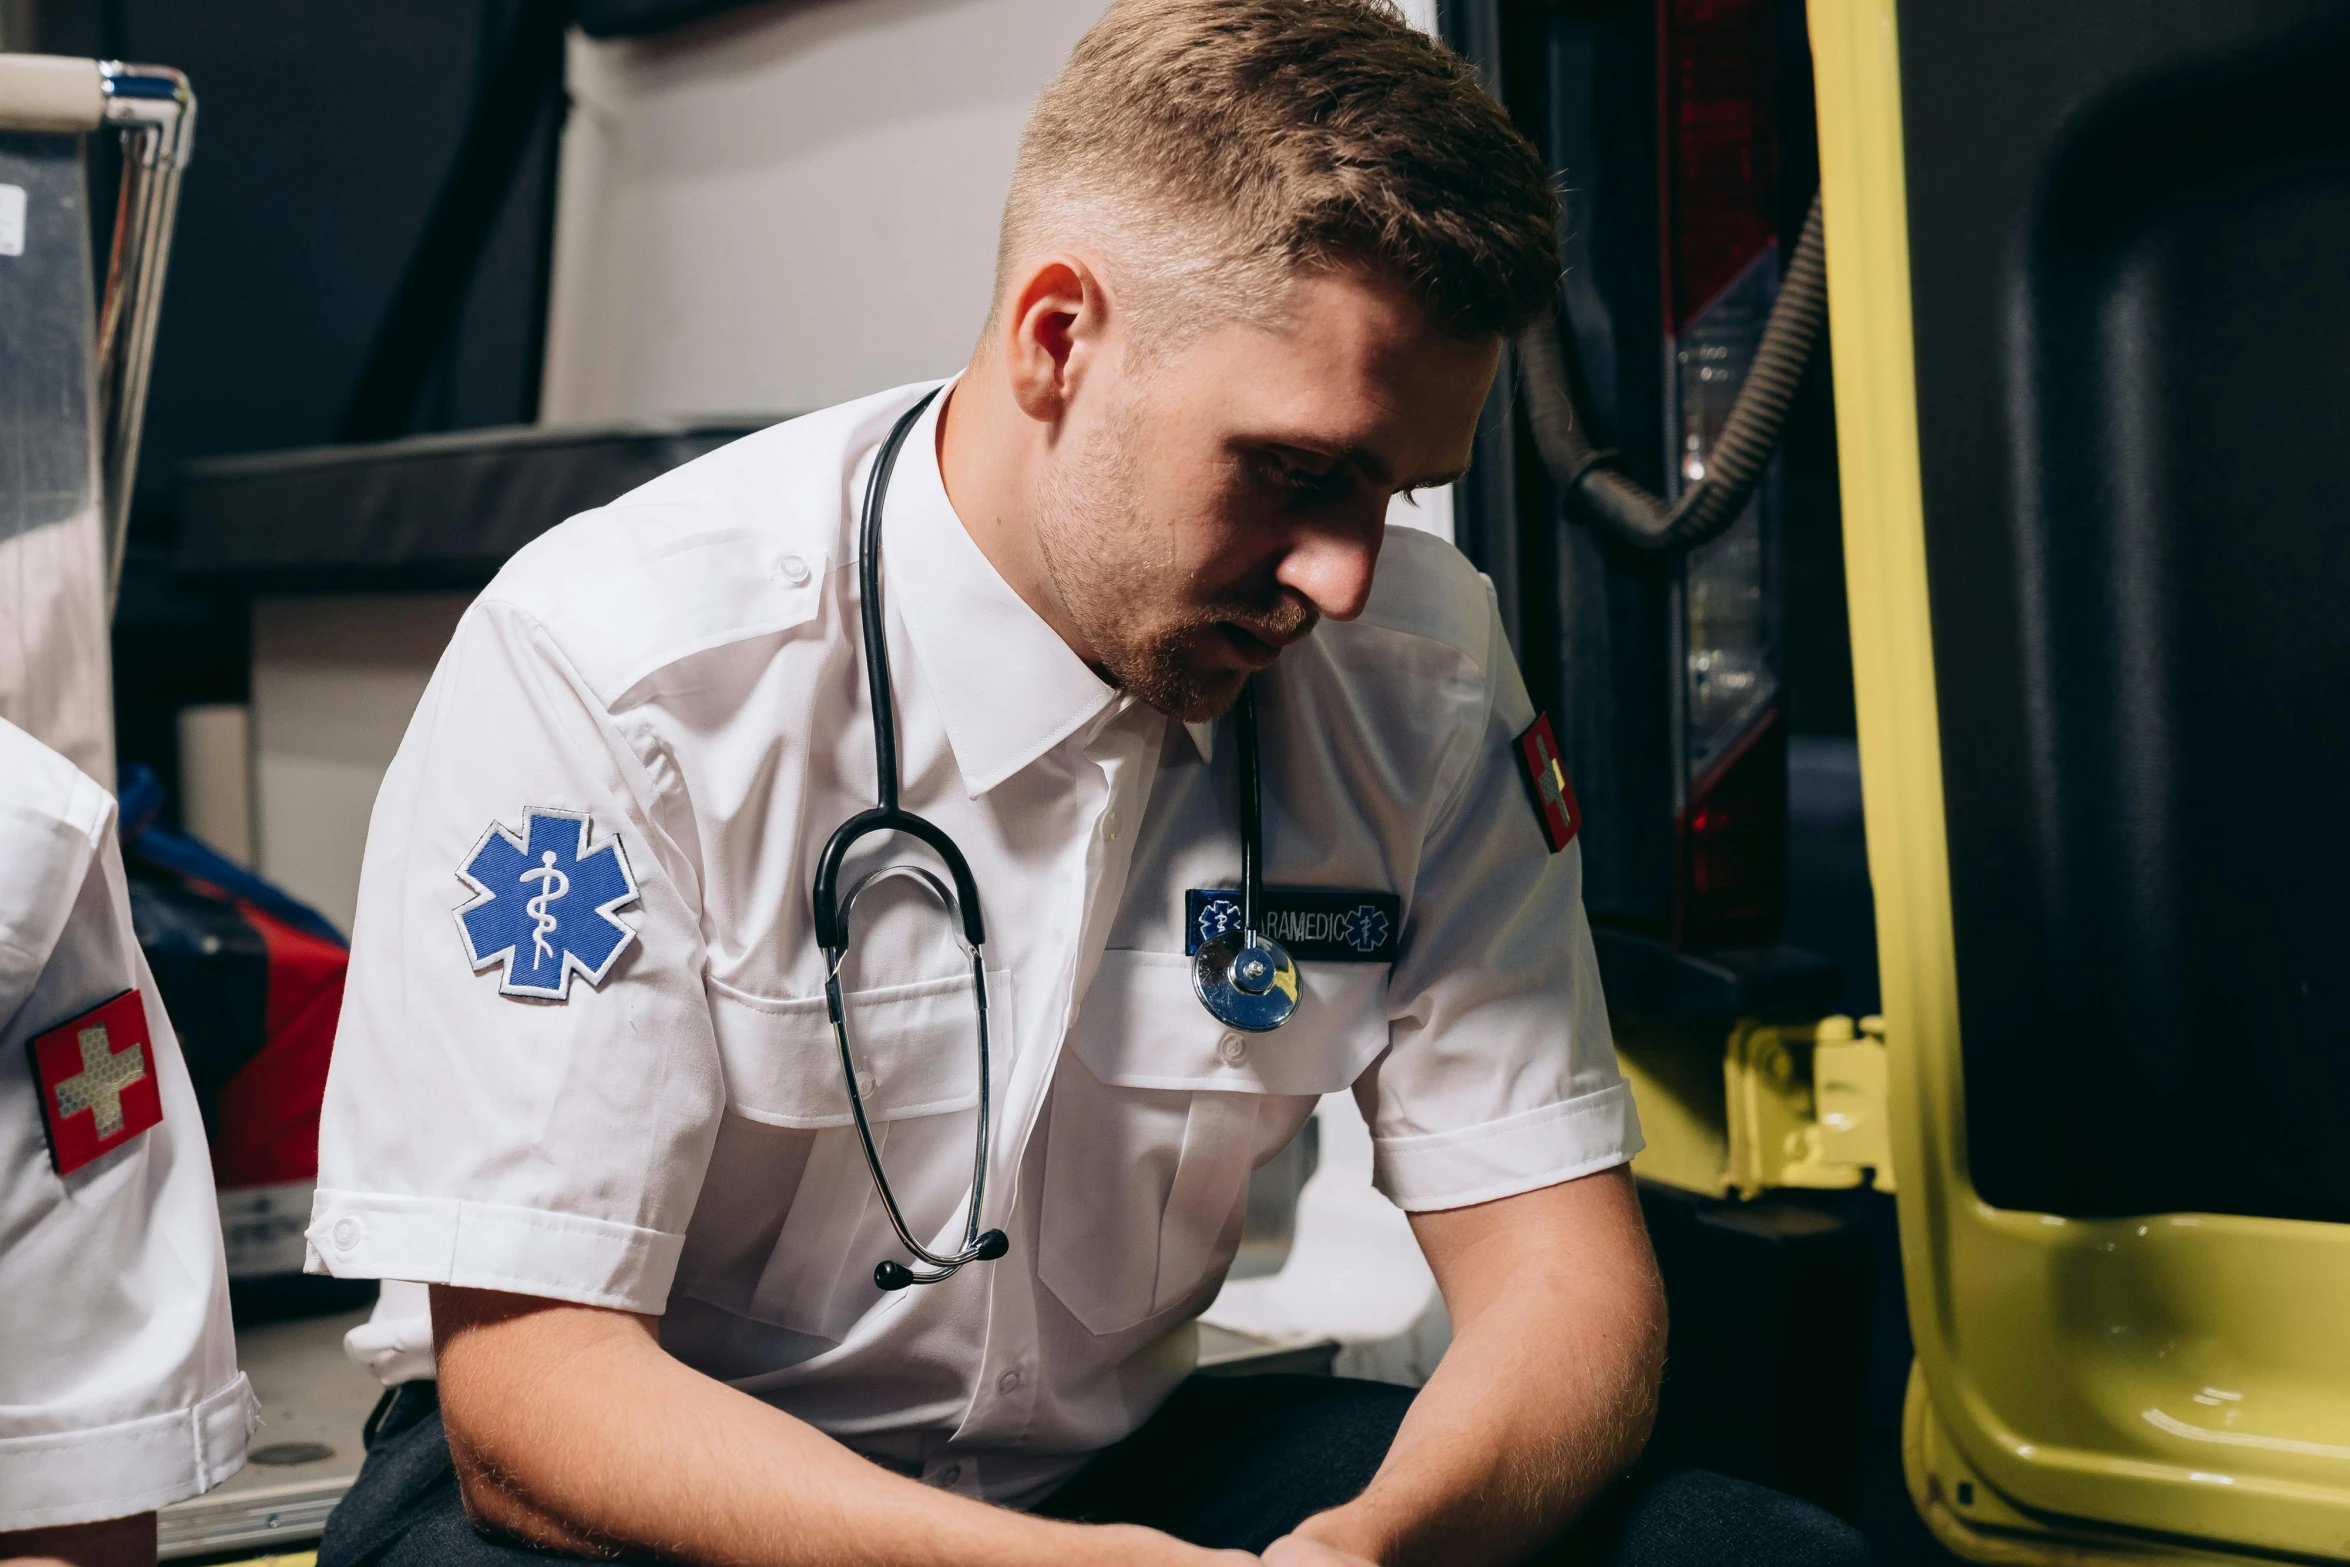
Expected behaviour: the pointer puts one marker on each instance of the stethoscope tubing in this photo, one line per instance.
(971, 1250)
(1252, 810)
(832, 913)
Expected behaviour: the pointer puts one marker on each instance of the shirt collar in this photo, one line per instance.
(1007, 687)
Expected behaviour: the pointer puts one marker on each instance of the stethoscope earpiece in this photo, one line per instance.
(890, 1276)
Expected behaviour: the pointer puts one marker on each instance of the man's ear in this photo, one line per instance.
(1054, 329)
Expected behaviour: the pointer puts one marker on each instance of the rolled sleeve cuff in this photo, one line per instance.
(522, 1251)
(1519, 1153)
(53, 1479)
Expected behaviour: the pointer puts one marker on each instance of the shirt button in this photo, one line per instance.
(950, 1474)
(348, 1232)
(1113, 825)
(792, 570)
(1232, 1050)
(1007, 1382)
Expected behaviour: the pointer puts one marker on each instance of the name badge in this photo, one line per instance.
(1316, 924)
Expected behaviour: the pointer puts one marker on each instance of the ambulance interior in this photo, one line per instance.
(1995, 1130)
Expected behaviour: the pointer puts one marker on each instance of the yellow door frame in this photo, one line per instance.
(2168, 1388)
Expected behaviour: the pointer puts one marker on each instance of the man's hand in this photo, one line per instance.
(1546, 1395)
(572, 1428)
(1295, 1550)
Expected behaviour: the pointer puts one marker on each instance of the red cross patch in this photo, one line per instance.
(1546, 781)
(97, 1077)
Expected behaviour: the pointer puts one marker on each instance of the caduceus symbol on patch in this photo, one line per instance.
(554, 884)
(517, 879)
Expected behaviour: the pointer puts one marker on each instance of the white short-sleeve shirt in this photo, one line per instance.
(119, 1388)
(629, 1095)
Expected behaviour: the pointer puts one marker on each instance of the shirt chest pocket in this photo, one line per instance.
(916, 1047)
(1158, 1114)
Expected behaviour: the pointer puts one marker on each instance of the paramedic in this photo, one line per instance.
(1255, 271)
(119, 1388)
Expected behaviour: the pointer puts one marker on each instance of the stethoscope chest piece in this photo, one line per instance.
(1246, 981)
(1245, 978)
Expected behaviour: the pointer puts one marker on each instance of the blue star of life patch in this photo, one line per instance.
(1316, 924)
(543, 904)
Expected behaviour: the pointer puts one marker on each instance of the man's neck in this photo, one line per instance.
(988, 450)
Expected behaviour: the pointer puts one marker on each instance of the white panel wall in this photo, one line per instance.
(795, 205)
(335, 681)
(789, 208)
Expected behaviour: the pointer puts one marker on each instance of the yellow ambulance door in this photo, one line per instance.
(2089, 276)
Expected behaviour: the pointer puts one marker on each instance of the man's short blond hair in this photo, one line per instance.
(1213, 150)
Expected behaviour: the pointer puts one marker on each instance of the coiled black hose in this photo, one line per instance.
(1596, 494)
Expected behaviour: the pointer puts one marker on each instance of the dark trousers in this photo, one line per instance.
(1229, 1462)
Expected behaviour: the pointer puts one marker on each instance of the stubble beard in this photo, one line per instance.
(1117, 578)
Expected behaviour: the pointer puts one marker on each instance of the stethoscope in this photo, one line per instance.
(1245, 979)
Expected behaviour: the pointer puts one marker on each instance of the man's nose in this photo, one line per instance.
(1331, 566)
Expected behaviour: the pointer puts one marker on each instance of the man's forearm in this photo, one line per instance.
(571, 1428)
(1545, 1396)
(118, 1542)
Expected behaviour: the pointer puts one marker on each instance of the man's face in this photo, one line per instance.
(1203, 509)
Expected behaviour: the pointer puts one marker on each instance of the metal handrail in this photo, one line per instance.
(156, 114)
(153, 109)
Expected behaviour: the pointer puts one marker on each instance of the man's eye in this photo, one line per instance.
(1304, 480)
